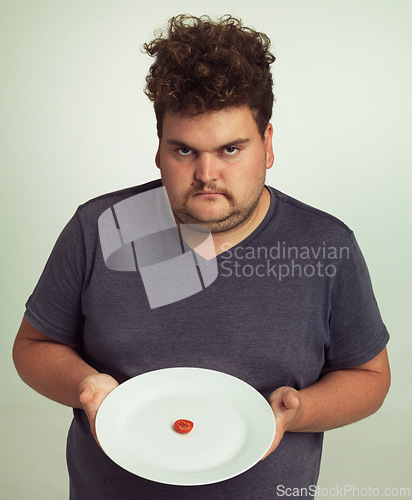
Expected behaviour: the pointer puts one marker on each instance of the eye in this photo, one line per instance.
(231, 150)
(184, 151)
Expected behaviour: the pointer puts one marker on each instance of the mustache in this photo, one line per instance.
(208, 188)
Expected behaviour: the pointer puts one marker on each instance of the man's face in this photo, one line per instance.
(213, 166)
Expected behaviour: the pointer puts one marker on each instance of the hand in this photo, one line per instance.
(285, 403)
(92, 390)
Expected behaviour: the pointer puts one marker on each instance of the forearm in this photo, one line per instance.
(339, 398)
(52, 369)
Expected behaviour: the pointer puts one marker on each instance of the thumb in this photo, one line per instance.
(290, 399)
(86, 394)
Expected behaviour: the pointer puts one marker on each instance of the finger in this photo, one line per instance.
(269, 452)
(86, 398)
(273, 446)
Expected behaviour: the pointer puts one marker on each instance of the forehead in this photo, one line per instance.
(211, 128)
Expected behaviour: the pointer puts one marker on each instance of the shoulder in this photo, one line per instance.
(92, 209)
(305, 218)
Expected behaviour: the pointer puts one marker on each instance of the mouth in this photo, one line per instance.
(208, 193)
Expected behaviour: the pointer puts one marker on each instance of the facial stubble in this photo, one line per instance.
(235, 217)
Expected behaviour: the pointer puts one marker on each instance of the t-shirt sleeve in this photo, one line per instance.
(54, 307)
(357, 332)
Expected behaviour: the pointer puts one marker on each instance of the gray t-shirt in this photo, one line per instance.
(293, 297)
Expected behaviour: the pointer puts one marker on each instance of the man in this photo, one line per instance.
(291, 312)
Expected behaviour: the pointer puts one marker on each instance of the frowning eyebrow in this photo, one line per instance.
(180, 144)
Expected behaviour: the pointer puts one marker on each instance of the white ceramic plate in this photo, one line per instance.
(234, 426)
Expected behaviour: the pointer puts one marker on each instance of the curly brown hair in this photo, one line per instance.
(204, 65)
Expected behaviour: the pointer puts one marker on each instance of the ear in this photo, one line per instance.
(157, 157)
(270, 157)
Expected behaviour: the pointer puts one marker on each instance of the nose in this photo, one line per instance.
(206, 168)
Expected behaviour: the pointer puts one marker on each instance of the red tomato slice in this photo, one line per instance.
(183, 426)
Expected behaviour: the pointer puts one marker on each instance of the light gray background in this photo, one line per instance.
(75, 123)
